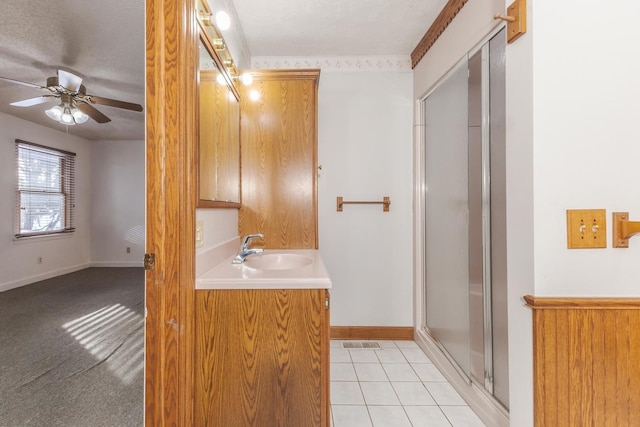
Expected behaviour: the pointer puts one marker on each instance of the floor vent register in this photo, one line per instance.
(360, 344)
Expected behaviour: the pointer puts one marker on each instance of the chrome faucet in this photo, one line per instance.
(244, 250)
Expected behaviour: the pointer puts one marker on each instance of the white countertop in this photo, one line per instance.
(226, 275)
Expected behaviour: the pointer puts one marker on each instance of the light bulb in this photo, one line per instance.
(78, 116)
(223, 21)
(54, 112)
(246, 79)
(67, 117)
(221, 80)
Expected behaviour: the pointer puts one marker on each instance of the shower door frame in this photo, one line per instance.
(423, 337)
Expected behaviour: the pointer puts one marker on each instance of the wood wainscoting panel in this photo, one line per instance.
(261, 358)
(586, 361)
(279, 159)
(400, 333)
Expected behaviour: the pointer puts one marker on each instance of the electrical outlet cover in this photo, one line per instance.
(199, 233)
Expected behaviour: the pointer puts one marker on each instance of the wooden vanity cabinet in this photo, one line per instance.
(262, 358)
(279, 165)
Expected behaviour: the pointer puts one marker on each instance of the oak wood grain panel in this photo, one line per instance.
(260, 359)
(214, 149)
(442, 21)
(586, 361)
(372, 333)
(279, 160)
(170, 211)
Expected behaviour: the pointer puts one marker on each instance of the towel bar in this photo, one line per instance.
(386, 201)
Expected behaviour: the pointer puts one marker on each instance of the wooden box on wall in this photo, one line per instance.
(279, 159)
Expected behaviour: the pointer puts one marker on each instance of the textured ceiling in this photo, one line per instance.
(335, 27)
(101, 41)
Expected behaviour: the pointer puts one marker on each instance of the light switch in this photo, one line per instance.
(586, 228)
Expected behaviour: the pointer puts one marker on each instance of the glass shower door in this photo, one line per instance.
(447, 216)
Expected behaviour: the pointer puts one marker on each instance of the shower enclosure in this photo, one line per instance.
(464, 251)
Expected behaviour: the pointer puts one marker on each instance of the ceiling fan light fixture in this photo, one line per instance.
(78, 116)
(67, 117)
(55, 112)
(69, 89)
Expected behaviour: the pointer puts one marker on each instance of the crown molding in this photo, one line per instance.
(334, 63)
(442, 21)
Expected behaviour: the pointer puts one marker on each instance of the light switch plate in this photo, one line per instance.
(586, 228)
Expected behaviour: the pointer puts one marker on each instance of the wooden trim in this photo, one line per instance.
(449, 11)
(297, 74)
(171, 73)
(400, 333)
(325, 354)
(564, 303)
(217, 204)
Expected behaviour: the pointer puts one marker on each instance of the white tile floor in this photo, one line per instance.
(394, 386)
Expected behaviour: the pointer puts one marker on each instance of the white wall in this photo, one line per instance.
(364, 147)
(218, 226)
(586, 106)
(60, 254)
(117, 203)
(573, 93)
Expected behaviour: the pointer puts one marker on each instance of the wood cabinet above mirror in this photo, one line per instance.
(218, 123)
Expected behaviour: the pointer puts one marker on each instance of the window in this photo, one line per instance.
(45, 190)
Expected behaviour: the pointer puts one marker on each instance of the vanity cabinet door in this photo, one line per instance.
(262, 358)
(279, 159)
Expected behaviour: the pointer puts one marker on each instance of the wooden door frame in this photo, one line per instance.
(171, 73)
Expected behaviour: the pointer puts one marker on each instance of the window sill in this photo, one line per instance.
(41, 238)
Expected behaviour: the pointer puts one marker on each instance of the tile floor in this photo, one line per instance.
(394, 386)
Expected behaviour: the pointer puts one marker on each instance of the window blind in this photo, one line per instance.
(45, 190)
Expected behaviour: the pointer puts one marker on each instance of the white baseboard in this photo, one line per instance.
(485, 406)
(117, 264)
(43, 276)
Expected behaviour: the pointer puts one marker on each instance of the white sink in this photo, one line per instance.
(284, 261)
(274, 269)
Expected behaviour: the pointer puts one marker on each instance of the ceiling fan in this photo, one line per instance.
(76, 106)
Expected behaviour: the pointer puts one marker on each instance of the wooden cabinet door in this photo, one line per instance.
(262, 358)
(279, 159)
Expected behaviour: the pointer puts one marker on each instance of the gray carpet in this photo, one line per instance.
(71, 350)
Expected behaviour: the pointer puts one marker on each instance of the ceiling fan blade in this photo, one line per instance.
(22, 83)
(92, 112)
(69, 81)
(32, 101)
(114, 103)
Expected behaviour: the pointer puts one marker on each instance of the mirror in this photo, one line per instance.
(219, 129)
